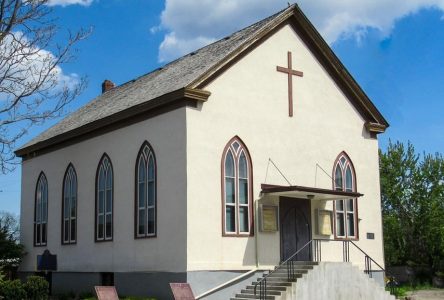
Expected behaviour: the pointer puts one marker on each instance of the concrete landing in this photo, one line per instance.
(433, 294)
(336, 281)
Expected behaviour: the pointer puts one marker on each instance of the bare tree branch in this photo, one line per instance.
(33, 88)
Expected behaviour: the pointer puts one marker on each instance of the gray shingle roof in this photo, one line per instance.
(173, 76)
(188, 73)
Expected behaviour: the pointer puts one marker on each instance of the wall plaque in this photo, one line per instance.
(182, 291)
(324, 222)
(47, 261)
(106, 293)
(269, 218)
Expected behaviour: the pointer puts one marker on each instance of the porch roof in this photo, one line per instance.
(305, 192)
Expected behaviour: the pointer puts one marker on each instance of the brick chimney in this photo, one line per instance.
(107, 85)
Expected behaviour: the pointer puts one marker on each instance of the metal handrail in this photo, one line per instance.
(363, 252)
(262, 283)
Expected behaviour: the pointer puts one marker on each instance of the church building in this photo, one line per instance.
(210, 170)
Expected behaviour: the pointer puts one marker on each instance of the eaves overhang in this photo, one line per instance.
(167, 102)
(304, 192)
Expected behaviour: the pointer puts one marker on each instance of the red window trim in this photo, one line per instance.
(104, 239)
(242, 148)
(355, 202)
(136, 191)
(41, 176)
(70, 242)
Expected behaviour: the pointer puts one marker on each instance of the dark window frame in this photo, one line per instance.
(39, 225)
(70, 241)
(96, 219)
(140, 154)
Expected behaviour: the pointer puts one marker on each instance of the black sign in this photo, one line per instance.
(46, 261)
(370, 236)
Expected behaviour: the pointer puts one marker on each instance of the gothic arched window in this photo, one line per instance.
(41, 211)
(345, 221)
(69, 206)
(237, 189)
(104, 200)
(146, 192)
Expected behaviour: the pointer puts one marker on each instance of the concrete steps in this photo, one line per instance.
(282, 288)
(277, 282)
(283, 273)
(319, 280)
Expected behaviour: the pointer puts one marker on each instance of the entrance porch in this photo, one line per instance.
(292, 216)
(304, 229)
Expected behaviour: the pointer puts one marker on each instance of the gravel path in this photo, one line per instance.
(437, 294)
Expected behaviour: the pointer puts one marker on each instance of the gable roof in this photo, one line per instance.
(183, 79)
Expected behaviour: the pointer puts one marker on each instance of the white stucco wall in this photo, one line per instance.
(250, 100)
(166, 252)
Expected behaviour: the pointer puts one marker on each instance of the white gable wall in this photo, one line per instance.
(250, 100)
(166, 252)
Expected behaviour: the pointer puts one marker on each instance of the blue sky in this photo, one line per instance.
(394, 50)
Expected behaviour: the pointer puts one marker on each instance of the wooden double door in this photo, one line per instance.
(295, 228)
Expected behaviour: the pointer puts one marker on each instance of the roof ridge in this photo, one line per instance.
(292, 6)
(267, 21)
(112, 101)
(245, 28)
(269, 18)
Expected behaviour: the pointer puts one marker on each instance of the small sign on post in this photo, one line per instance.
(182, 291)
(46, 262)
(106, 293)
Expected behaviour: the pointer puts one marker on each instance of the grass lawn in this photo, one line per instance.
(91, 297)
(124, 298)
(406, 290)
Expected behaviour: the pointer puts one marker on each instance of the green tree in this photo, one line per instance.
(412, 192)
(11, 252)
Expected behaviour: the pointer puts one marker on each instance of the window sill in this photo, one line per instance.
(141, 237)
(103, 241)
(69, 243)
(246, 235)
(355, 239)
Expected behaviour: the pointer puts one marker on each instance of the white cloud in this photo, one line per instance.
(187, 24)
(172, 45)
(69, 2)
(23, 67)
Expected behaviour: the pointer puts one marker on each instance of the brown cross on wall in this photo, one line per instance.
(290, 73)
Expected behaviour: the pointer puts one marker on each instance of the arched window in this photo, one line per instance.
(41, 211)
(145, 192)
(237, 189)
(346, 225)
(69, 206)
(104, 200)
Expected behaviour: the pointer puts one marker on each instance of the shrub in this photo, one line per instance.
(66, 296)
(37, 288)
(12, 290)
(86, 296)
